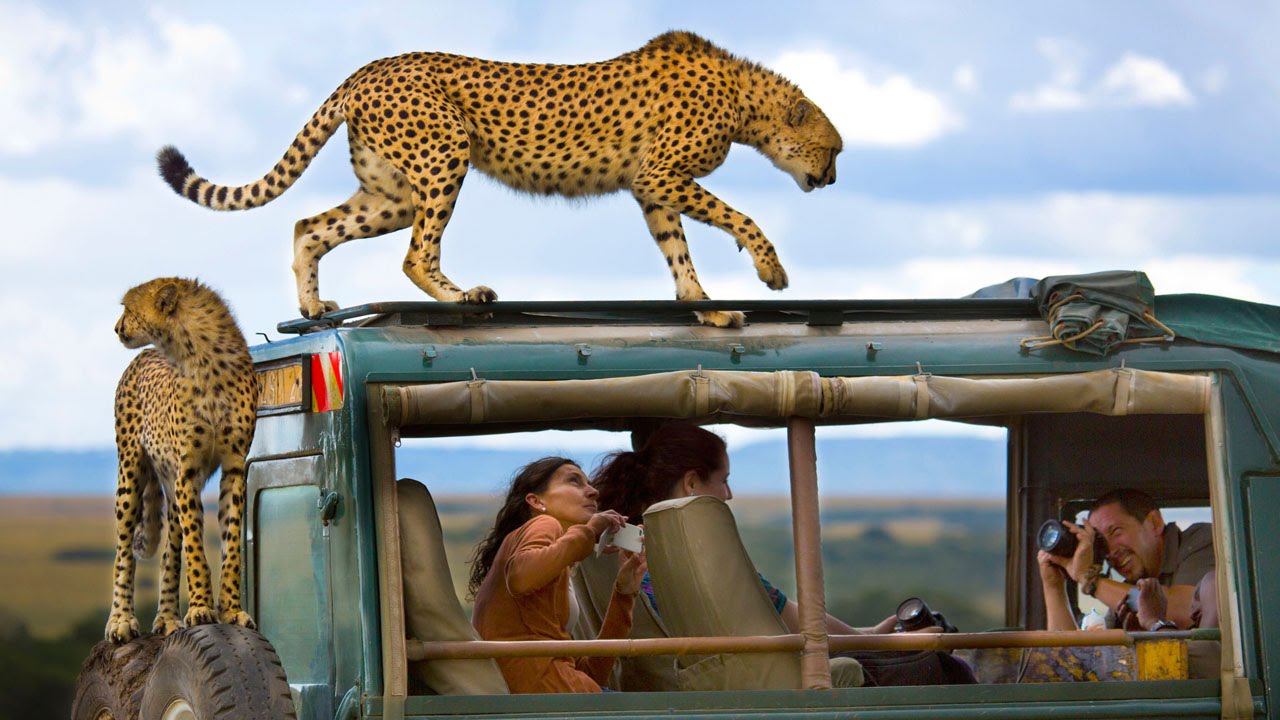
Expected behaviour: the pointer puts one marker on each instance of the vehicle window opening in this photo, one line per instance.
(1020, 511)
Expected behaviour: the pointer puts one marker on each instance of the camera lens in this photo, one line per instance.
(1050, 534)
(913, 614)
(1054, 537)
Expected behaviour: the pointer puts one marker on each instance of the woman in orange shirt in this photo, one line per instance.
(520, 575)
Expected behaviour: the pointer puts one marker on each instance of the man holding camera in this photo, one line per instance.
(1138, 544)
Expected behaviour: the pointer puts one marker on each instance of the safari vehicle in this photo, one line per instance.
(345, 565)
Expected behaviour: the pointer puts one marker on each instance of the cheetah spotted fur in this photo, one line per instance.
(183, 409)
(649, 121)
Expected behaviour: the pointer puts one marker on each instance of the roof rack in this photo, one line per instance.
(656, 312)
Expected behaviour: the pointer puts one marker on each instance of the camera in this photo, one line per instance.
(913, 614)
(1056, 539)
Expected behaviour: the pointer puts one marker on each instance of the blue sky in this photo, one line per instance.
(983, 141)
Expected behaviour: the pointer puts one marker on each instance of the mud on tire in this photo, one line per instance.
(218, 672)
(111, 679)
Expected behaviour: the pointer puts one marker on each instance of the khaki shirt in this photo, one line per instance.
(1188, 554)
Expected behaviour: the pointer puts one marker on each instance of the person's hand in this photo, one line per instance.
(1053, 574)
(1153, 603)
(606, 520)
(630, 572)
(1082, 560)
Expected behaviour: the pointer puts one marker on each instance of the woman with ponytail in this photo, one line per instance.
(683, 460)
(520, 575)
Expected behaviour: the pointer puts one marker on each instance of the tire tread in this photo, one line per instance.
(224, 672)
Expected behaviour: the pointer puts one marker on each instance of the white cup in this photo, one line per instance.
(628, 537)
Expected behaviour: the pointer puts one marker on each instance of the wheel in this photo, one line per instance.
(96, 699)
(111, 679)
(217, 672)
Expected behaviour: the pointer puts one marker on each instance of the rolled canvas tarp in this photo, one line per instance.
(707, 396)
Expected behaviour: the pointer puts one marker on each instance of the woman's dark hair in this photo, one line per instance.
(532, 478)
(631, 481)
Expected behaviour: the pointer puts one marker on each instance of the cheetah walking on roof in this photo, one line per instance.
(649, 121)
(183, 409)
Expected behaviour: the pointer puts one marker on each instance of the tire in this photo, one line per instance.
(111, 679)
(217, 672)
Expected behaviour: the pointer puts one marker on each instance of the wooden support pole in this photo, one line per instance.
(815, 665)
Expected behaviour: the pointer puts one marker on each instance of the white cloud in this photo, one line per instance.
(1239, 277)
(36, 109)
(1048, 98)
(1134, 80)
(146, 85)
(892, 111)
(1138, 80)
(1061, 92)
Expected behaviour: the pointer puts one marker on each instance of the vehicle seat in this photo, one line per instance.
(706, 585)
(431, 607)
(593, 580)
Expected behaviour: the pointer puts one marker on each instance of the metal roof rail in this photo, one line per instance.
(647, 312)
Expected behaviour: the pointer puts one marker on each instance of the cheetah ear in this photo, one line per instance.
(799, 112)
(167, 299)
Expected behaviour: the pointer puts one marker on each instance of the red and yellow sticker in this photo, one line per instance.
(326, 381)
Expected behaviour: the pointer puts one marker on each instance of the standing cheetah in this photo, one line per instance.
(649, 121)
(183, 409)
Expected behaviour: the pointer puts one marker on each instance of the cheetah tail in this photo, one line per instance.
(176, 171)
(146, 536)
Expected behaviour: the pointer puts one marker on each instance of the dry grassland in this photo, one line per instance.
(56, 560)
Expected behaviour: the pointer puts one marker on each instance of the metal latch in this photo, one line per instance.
(328, 504)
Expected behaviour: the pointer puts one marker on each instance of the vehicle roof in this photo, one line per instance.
(1207, 319)
(439, 341)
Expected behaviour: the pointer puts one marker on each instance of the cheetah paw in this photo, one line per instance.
(200, 615)
(312, 309)
(166, 625)
(237, 617)
(122, 627)
(479, 295)
(721, 318)
(773, 275)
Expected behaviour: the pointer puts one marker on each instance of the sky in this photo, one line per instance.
(983, 141)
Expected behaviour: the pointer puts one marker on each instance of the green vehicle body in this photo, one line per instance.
(313, 582)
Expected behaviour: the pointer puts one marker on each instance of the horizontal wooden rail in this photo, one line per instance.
(471, 649)
(1011, 639)
(956, 641)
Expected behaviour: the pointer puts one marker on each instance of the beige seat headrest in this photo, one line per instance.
(699, 566)
(432, 610)
(706, 585)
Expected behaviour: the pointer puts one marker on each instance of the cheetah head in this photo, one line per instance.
(805, 145)
(148, 310)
